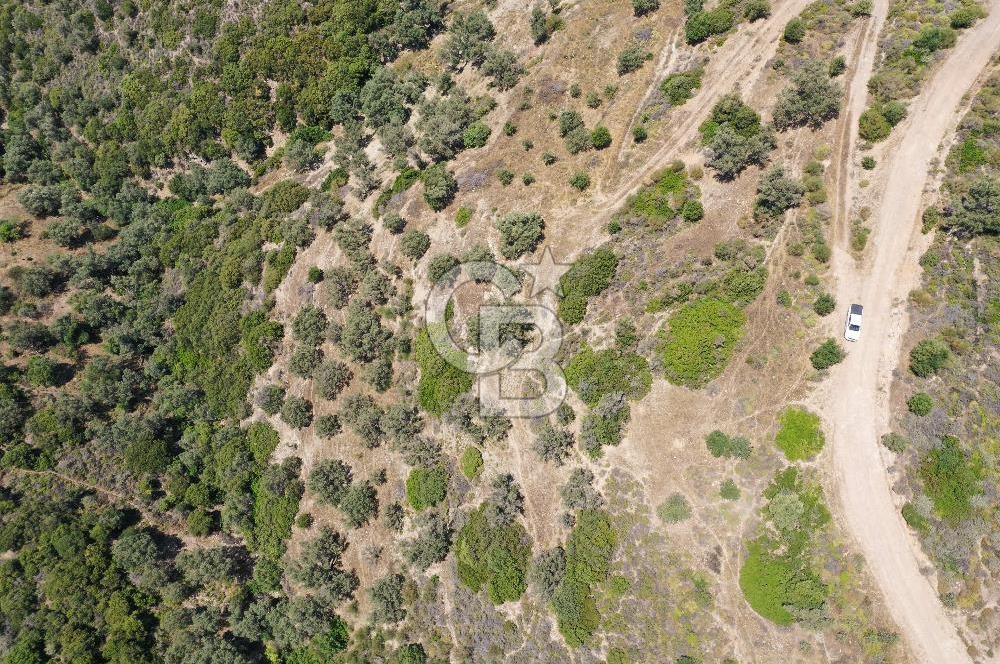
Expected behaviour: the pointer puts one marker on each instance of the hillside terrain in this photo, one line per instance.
(411, 331)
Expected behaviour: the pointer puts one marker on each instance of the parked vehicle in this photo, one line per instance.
(852, 330)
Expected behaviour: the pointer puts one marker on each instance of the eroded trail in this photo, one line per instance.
(855, 400)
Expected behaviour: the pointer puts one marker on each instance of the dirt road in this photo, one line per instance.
(855, 399)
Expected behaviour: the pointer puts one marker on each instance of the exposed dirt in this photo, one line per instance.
(855, 398)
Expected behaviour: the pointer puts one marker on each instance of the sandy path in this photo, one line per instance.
(855, 399)
(857, 97)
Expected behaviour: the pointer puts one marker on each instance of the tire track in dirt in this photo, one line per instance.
(738, 62)
(864, 56)
(855, 400)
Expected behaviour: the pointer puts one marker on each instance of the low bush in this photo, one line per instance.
(824, 304)
(721, 445)
(589, 276)
(493, 557)
(441, 382)
(826, 355)
(928, 357)
(426, 487)
(699, 340)
(680, 86)
(951, 479)
(593, 374)
(704, 24)
(800, 436)
(589, 549)
(920, 404)
(777, 578)
(674, 509)
(471, 462)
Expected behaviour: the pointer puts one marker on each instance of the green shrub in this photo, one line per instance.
(493, 557)
(593, 374)
(426, 487)
(589, 276)
(928, 357)
(580, 181)
(914, 519)
(699, 341)
(440, 381)
(824, 304)
(872, 125)
(729, 490)
(794, 32)
(680, 86)
(951, 479)
(868, 162)
(439, 186)
(721, 445)
(965, 17)
(631, 58)
(600, 138)
(520, 233)
(476, 135)
(894, 442)
(920, 404)
(800, 436)
(471, 462)
(589, 549)
(826, 355)
(755, 10)
(702, 25)
(674, 509)
(777, 578)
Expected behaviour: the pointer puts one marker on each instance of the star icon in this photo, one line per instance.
(545, 274)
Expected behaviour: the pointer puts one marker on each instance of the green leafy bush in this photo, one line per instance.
(920, 404)
(493, 557)
(928, 357)
(824, 304)
(729, 490)
(471, 462)
(600, 138)
(702, 25)
(721, 445)
(439, 186)
(872, 125)
(795, 30)
(589, 276)
(951, 479)
(674, 509)
(520, 233)
(699, 340)
(593, 374)
(680, 86)
(589, 549)
(440, 381)
(800, 436)
(826, 355)
(579, 181)
(426, 487)
(777, 578)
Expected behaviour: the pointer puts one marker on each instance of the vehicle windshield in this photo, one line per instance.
(854, 328)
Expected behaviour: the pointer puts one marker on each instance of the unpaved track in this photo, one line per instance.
(856, 397)
(737, 63)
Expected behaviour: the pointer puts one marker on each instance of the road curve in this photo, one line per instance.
(855, 399)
